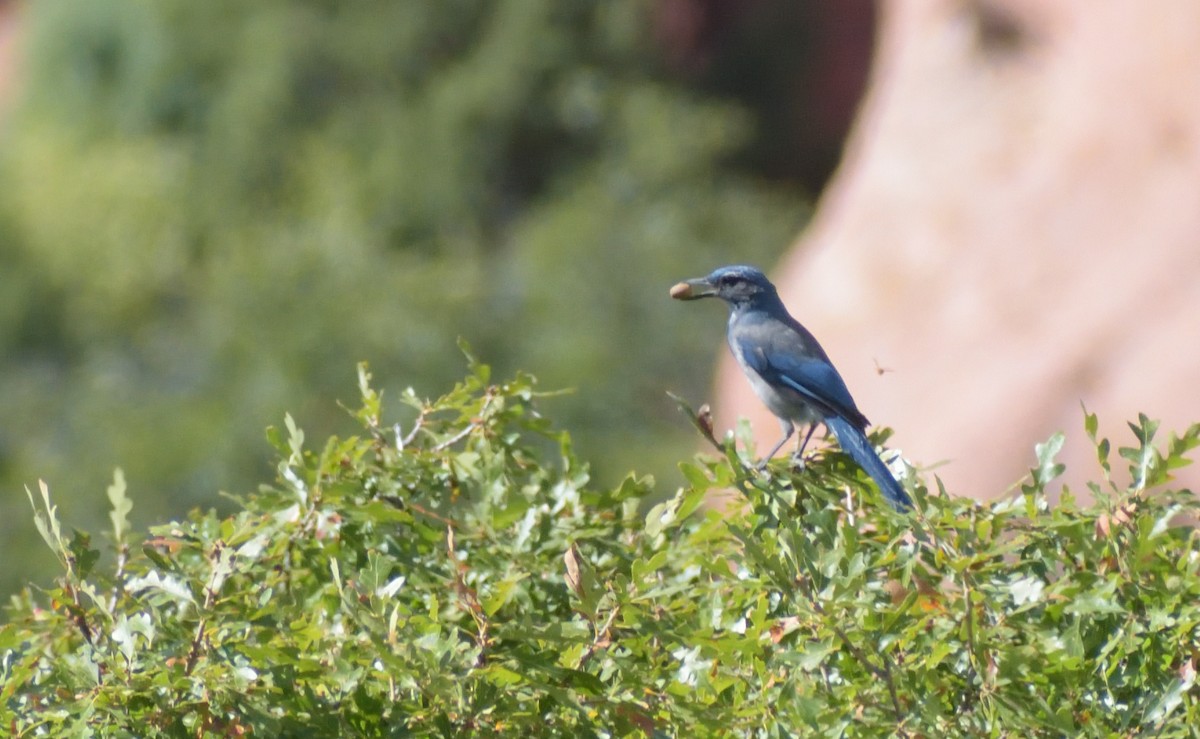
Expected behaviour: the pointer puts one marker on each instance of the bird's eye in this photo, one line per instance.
(728, 280)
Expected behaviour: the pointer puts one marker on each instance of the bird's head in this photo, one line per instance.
(736, 285)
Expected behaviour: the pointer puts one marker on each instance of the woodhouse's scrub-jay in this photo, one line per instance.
(789, 370)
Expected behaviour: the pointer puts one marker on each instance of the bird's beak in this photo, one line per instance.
(693, 289)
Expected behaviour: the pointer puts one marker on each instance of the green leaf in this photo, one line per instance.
(695, 476)
(82, 553)
(502, 593)
(1170, 700)
(121, 506)
(295, 440)
(1090, 423)
(45, 520)
(1048, 469)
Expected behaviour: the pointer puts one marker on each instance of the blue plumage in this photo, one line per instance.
(789, 370)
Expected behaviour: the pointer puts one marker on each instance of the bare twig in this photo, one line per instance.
(701, 419)
(466, 431)
(77, 613)
(197, 640)
(119, 575)
(969, 617)
(476, 422)
(404, 441)
(221, 569)
(469, 598)
(602, 639)
(449, 523)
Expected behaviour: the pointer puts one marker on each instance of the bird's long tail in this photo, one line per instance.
(855, 443)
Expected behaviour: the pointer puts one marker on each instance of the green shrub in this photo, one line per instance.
(460, 574)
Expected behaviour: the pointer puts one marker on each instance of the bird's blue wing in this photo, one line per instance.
(814, 378)
(817, 379)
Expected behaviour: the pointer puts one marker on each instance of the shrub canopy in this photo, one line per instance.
(461, 573)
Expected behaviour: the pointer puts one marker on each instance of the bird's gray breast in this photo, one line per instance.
(783, 402)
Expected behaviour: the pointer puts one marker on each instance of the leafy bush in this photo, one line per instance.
(460, 574)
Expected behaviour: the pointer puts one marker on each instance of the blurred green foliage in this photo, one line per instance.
(207, 209)
(463, 575)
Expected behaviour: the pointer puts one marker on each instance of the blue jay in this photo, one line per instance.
(789, 370)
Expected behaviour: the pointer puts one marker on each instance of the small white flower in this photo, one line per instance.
(1027, 590)
(246, 673)
(393, 587)
(297, 484)
(690, 664)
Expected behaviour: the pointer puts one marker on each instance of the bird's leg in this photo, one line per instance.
(788, 428)
(798, 457)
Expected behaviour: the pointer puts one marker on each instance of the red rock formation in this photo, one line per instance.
(1015, 229)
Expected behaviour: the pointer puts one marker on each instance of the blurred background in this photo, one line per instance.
(210, 211)
(987, 210)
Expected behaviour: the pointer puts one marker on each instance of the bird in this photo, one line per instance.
(788, 369)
